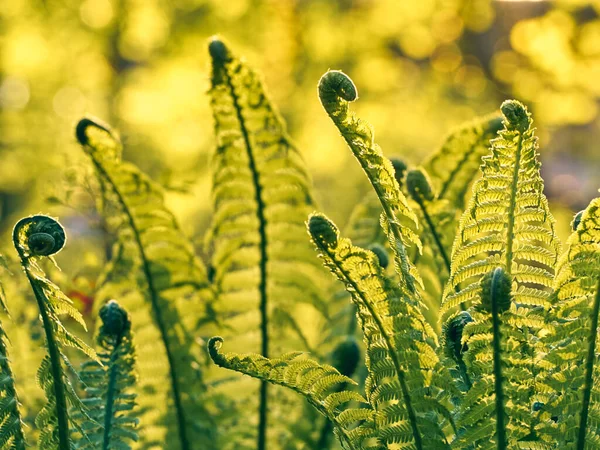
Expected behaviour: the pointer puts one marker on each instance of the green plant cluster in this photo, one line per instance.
(454, 320)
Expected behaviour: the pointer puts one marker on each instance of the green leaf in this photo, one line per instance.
(155, 274)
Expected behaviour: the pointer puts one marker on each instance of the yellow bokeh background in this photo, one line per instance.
(421, 67)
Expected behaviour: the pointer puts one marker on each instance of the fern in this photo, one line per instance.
(156, 274)
(108, 385)
(574, 343)
(507, 220)
(455, 164)
(317, 383)
(507, 225)
(404, 370)
(35, 237)
(261, 196)
(11, 424)
(336, 90)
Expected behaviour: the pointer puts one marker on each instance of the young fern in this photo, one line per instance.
(316, 382)
(507, 225)
(263, 265)
(405, 378)
(109, 400)
(336, 90)
(11, 424)
(156, 275)
(574, 342)
(35, 237)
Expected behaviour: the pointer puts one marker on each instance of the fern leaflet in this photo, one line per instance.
(316, 382)
(405, 375)
(108, 385)
(11, 424)
(574, 343)
(35, 237)
(261, 196)
(156, 274)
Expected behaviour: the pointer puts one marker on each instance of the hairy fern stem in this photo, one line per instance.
(262, 286)
(181, 419)
(589, 371)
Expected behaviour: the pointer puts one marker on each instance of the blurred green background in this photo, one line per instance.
(421, 67)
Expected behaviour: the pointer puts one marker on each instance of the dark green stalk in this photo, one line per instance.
(64, 442)
(498, 387)
(154, 299)
(262, 286)
(589, 372)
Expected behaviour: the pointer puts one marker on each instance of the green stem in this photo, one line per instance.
(512, 206)
(158, 316)
(589, 372)
(110, 393)
(434, 233)
(64, 441)
(262, 286)
(498, 386)
(412, 417)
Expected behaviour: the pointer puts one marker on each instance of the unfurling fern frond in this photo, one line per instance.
(507, 223)
(35, 237)
(575, 404)
(336, 90)
(264, 268)
(11, 424)
(155, 275)
(484, 339)
(454, 166)
(405, 375)
(109, 385)
(316, 382)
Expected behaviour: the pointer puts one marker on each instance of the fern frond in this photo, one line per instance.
(11, 424)
(574, 342)
(316, 382)
(507, 222)
(507, 225)
(405, 374)
(156, 276)
(336, 90)
(110, 400)
(263, 265)
(35, 237)
(455, 164)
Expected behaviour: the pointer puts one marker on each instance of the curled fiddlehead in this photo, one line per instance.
(39, 236)
(108, 385)
(35, 237)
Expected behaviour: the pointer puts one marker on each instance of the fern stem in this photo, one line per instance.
(110, 393)
(498, 387)
(262, 286)
(512, 206)
(589, 371)
(64, 441)
(154, 299)
(435, 234)
(412, 417)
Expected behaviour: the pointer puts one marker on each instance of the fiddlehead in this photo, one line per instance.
(35, 237)
(112, 421)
